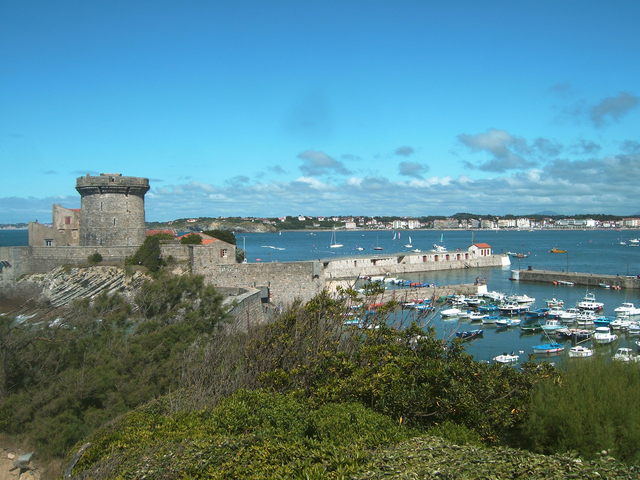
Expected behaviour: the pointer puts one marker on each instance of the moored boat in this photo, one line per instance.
(548, 348)
(506, 358)
(624, 354)
(580, 351)
(469, 334)
(604, 335)
(508, 322)
(589, 303)
(627, 308)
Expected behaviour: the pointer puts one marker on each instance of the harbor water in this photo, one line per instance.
(591, 251)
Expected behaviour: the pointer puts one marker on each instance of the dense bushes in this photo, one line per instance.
(61, 382)
(250, 435)
(592, 408)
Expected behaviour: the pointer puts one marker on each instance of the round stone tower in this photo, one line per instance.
(112, 210)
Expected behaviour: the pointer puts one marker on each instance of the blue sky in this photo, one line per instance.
(257, 108)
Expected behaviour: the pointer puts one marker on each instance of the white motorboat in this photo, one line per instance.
(506, 358)
(524, 298)
(554, 303)
(580, 351)
(450, 312)
(624, 354)
(627, 308)
(589, 303)
(569, 315)
(620, 323)
(495, 296)
(604, 335)
(585, 318)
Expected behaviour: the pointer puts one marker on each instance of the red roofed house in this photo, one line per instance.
(480, 249)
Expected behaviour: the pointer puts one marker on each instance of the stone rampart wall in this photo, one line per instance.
(246, 309)
(15, 262)
(286, 281)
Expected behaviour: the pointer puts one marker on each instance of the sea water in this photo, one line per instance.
(591, 251)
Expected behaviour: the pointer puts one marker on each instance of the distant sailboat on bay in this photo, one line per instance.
(409, 245)
(334, 243)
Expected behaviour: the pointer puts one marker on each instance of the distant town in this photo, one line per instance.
(458, 221)
(463, 221)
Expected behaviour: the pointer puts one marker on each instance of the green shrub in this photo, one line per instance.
(456, 434)
(224, 235)
(192, 239)
(592, 407)
(250, 435)
(148, 254)
(94, 258)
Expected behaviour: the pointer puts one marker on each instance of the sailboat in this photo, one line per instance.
(377, 247)
(409, 245)
(334, 243)
(440, 248)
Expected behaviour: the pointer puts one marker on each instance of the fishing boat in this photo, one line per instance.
(450, 312)
(580, 351)
(555, 312)
(548, 348)
(508, 322)
(569, 315)
(512, 308)
(506, 358)
(551, 325)
(537, 313)
(557, 250)
(488, 309)
(524, 298)
(585, 318)
(554, 302)
(530, 328)
(577, 334)
(589, 303)
(469, 334)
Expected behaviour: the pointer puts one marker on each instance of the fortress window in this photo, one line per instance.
(67, 220)
(224, 253)
(114, 222)
(48, 242)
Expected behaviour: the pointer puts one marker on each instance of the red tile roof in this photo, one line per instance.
(482, 245)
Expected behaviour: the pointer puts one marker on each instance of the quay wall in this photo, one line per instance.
(588, 279)
(409, 263)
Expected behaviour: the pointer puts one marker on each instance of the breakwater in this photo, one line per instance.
(578, 278)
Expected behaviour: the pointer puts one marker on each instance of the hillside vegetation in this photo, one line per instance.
(161, 389)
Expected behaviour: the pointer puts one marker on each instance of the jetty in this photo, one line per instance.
(577, 278)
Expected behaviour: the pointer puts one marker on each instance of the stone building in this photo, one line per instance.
(63, 232)
(112, 210)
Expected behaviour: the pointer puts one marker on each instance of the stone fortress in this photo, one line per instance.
(111, 222)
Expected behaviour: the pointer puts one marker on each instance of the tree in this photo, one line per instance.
(191, 239)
